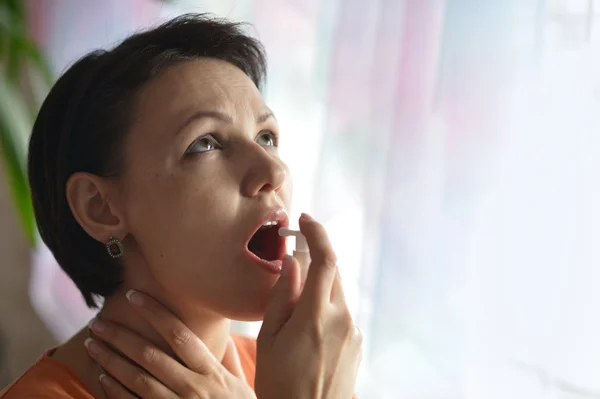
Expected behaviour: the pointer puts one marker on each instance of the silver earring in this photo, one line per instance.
(114, 246)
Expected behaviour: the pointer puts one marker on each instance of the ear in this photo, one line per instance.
(92, 200)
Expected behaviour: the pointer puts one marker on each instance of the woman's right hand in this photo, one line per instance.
(308, 346)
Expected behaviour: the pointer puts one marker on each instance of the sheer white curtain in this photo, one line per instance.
(534, 270)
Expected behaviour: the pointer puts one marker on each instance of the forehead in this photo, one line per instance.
(204, 83)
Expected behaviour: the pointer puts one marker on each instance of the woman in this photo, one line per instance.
(157, 185)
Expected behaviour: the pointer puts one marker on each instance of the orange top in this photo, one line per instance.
(49, 378)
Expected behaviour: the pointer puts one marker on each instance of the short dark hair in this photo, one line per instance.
(86, 115)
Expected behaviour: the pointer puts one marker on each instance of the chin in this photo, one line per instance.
(247, 311)
(249, 318)
(246, 316)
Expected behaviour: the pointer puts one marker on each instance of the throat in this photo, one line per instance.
(213, 329)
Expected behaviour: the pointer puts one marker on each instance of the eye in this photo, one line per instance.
(204, 144)
(267, 138)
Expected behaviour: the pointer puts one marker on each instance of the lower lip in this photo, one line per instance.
(273, 266)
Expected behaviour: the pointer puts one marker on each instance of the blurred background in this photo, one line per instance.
(452, 149)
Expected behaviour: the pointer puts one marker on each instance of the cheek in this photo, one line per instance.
(188, 228)
(177, 219)
(179, 228)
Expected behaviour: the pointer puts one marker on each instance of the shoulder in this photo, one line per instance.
(46, 379)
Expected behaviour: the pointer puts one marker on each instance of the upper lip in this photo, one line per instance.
(277, 214)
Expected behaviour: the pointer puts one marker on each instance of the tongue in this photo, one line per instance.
(264, 243)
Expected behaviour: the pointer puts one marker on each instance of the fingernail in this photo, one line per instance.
(104, 380)
(97, 326)
(135, 297)
(286, 265)
(92, 346)
(307, 217)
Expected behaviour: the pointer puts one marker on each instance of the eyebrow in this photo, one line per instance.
(222, 117)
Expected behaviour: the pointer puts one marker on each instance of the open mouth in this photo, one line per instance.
(266, 243)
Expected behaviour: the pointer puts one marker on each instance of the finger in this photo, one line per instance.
(283, 299)
(132, 377)
(323, 266)
(151, 358)
(186, 345)
(231, 360)
(113, 389)
(337, 290)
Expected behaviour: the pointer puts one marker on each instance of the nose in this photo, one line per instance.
(265, 173)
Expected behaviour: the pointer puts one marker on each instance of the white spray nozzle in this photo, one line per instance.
(301, 245)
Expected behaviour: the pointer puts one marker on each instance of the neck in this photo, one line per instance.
(212, 329)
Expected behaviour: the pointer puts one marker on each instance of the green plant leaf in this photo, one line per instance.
(16, 9)
(13, 61)
(15, 125)
(21, 61)
(28, 48)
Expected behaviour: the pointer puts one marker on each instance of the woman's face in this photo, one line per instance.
(202, 175)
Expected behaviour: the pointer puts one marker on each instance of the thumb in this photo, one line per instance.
(284, 296)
